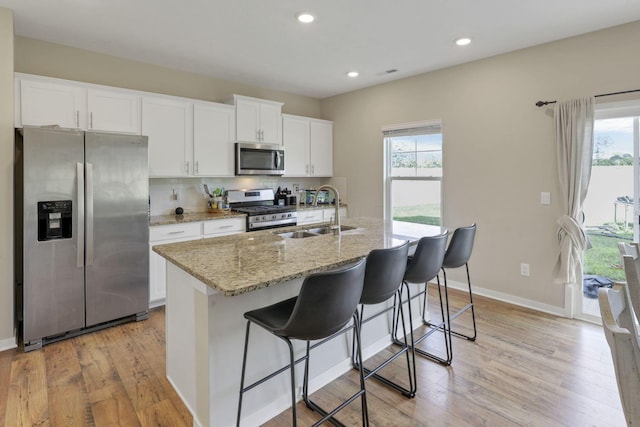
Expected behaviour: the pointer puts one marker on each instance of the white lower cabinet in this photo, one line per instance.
(329, 214)
(314, 216)
(174, 233)
(310, 216)
(159, 235)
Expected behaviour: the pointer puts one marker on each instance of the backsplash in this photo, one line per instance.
(191, 197)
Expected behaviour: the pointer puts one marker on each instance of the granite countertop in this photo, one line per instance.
(192, 217)
(234, 265)
(209, 216)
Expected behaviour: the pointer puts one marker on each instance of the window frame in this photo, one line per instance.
(405, 129)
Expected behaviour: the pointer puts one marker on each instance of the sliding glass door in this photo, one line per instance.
(611, 207)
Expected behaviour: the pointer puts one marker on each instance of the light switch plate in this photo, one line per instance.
(545, 198)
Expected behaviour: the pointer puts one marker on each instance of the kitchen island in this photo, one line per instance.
(211, 283)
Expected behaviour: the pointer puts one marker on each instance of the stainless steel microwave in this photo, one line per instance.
(259, 159)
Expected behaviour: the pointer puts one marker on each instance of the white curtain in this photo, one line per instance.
(574, 140)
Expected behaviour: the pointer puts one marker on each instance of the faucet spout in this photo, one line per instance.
(336, 228)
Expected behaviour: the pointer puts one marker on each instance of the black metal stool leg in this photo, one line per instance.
(433, 328)
(292, 360)
(329, 416)
(469, 306)
(244, 365)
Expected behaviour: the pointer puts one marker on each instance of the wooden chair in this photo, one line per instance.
(622, 335)
(630, 255)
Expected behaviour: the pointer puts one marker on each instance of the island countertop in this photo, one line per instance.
(241, 263)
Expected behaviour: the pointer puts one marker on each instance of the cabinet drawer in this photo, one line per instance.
(225, 226)
(177, 231)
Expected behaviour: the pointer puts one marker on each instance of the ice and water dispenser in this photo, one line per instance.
(54, 220)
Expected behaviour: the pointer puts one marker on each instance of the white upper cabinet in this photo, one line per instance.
(258, 120)
(308, 146)
(213, 137)
(321, 147)
(169, 125)
(45, 103)
(42, 101)
(113, 111)
(295, 137)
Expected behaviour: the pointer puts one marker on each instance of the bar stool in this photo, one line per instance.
(325, 304)
(422, 267)
(383, 280)
(457, 255)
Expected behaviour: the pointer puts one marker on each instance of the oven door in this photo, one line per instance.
(259, 159)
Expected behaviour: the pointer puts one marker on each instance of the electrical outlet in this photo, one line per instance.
(174, 194)
(545, 198)
(524, 269)
(296, 188)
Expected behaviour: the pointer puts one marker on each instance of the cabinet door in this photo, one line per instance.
(270, 124)
(295, 137)
(321, 148)
(47, 103)
(247, 120)
(213, 137)
(113, 111)
(310, 216)
(169, 126)
(160, 235)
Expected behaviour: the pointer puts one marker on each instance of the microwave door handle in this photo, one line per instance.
(277, 160)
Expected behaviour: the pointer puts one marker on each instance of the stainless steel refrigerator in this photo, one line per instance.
(82, 217)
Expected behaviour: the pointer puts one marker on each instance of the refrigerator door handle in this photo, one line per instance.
(89, 210)
(80, 213)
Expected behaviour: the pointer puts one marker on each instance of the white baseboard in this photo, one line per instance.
(8, 343)
(511, 299)
(157, 303)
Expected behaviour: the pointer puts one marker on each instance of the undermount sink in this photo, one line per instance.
(316, 231)
(297, 234)
(327, 230)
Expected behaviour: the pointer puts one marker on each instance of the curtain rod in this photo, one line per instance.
(542, 103)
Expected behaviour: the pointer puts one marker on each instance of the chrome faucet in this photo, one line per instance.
(336, 226)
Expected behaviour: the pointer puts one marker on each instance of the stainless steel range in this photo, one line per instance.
(261, 211)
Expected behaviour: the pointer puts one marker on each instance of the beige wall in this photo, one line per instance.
(499, 148)
(6, 179)
(54, 60)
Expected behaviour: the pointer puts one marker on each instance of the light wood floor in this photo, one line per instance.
(526, 368)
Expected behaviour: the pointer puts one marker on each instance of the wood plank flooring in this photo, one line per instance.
(525, 369)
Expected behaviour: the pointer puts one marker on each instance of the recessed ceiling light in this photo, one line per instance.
(352, 74)
(305, 17)
(463, 41)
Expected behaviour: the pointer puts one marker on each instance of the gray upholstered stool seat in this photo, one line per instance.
(326, 303)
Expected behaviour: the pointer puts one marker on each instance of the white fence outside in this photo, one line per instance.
(606, 185)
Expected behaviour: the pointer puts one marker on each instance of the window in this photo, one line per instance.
(413, 172)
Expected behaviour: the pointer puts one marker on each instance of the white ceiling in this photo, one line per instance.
(260, 42)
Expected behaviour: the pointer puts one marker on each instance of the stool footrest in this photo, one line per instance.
(329, 416)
